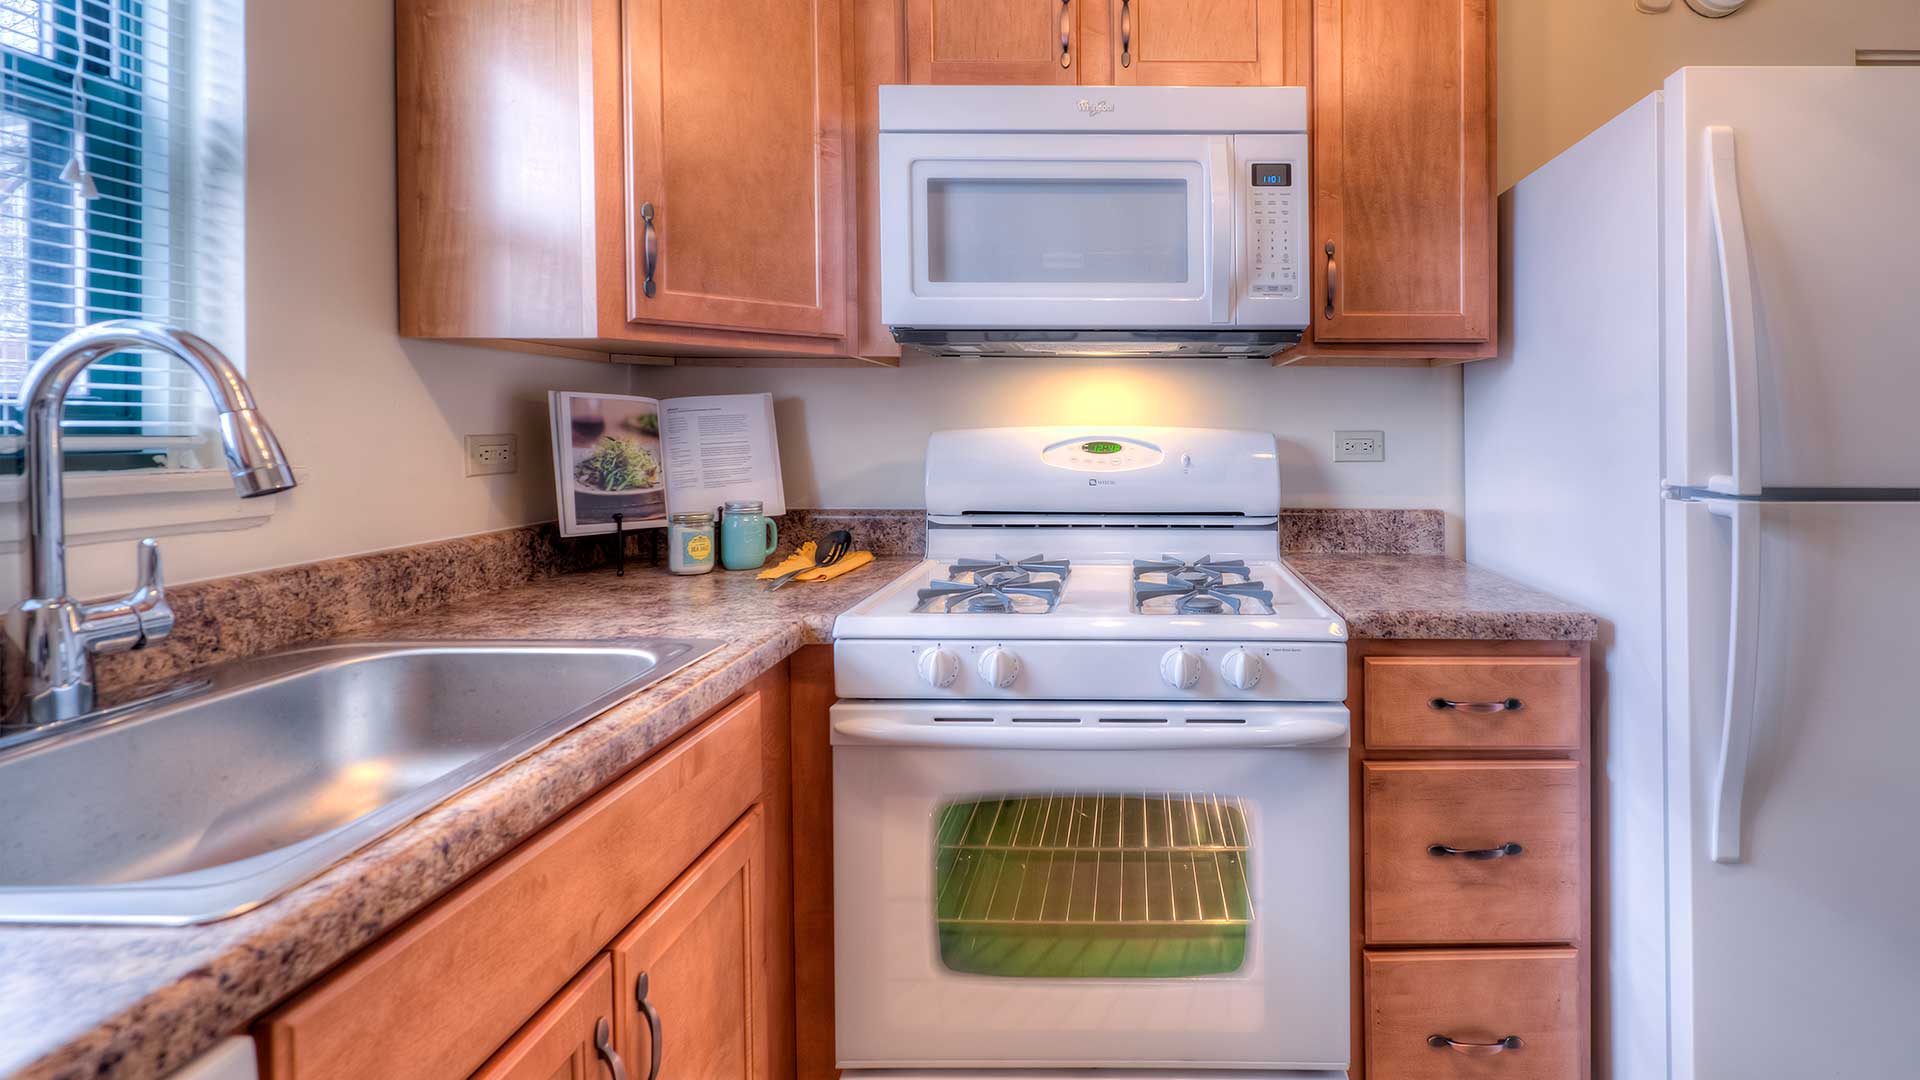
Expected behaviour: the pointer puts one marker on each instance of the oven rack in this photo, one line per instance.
(1148, 860)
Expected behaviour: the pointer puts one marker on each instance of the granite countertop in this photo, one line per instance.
(140, 1002)
(1438, 598)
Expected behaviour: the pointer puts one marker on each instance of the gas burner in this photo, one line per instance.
(1201, 571)
(1196, 594)
(1000, 592)
(1002, 570)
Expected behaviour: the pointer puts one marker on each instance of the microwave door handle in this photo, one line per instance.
(1222, 284)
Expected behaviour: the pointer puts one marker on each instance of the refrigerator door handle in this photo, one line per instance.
(1742, 689)
(1736, 283)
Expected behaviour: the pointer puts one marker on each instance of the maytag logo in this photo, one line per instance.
(1095, 108)
(1097, 482)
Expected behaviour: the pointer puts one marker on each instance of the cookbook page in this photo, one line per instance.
(607, 460)
(719, 448)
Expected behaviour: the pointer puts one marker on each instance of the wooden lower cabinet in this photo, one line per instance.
(1501, 1014)
(570, 1039)
(1472, 877)
(693, 999)
(676, 871)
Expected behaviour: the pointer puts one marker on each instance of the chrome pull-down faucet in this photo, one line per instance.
(58, 635)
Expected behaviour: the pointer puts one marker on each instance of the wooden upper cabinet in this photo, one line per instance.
(692, 970)
(570, 1039)
(1211, 42)
(1402, 171)
(736, 191)
(1024, 42)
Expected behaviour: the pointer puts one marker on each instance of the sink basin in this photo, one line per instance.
(265, 772)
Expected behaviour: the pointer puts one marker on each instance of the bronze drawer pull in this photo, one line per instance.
(603, 1042)
(1507, 1042)
(1126, 33)
(649, 250)
(1478, 854)
(1066, 33)
(656, 1037)
(1512, 704)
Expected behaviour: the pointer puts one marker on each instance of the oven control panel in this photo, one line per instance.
(1097, 454)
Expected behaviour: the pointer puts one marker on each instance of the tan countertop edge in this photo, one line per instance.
(135, 1003)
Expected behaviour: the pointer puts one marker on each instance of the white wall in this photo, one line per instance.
(857, 437)
(1568, 66)
(374, 422)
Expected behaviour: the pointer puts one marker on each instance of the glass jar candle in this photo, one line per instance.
(690, 543)
(747, 536)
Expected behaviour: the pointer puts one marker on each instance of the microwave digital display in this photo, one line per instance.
(1273, 175)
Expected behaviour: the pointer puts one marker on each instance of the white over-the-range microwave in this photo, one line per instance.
(1094, 221)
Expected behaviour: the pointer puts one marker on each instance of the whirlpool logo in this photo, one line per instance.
(1095, 108)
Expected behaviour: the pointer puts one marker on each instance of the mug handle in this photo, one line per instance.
(773, 537)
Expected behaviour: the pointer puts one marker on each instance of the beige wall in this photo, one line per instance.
(857, 438)
(375, 423)
(1567, 66)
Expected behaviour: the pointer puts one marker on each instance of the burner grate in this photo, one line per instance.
(999, 595)
(1203, 586)
(983, 571)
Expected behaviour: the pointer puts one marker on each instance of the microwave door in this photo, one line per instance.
(1056, 231)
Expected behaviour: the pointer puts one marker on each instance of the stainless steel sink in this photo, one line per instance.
(265, 772)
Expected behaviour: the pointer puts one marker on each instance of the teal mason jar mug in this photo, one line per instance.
(747, 536)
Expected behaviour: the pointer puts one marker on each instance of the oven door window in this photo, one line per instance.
(1093, 885)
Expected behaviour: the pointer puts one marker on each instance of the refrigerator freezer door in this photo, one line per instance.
(1825, 160)
(1812, 931)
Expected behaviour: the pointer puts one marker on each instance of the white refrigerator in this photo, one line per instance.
(1705, 426)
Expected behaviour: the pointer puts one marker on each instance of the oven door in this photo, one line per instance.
(1056, 231)
(1068, 884)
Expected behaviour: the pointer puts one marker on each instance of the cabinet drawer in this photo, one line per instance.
(437, 996)
(1528, 999)
(1470, 703)
(1529, 811)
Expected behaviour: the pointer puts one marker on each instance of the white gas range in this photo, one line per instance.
(1090, 780)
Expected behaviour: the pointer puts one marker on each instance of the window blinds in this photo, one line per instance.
(121, 157)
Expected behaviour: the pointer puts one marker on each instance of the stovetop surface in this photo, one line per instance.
(1094, 600)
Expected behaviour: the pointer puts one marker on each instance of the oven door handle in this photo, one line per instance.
(975, 728)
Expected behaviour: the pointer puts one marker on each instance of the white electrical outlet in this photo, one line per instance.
(489, 455)
(1359, 446)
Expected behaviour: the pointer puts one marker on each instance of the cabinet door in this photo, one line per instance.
(736, 190)
(1024, 42)
(1212, 42)
(691, 971)
(571, 1038)
(1402, 160)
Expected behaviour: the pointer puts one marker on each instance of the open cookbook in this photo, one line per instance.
(644, 458)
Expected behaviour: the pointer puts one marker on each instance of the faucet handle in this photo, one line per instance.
(136, 619)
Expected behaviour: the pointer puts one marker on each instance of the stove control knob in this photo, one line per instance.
(1242, 669)
(939, 667)
(1181, 669)
(999, 667)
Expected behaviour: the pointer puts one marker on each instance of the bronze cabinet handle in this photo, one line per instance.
(1477, 854)
(1066, 33)
(649, 249)
(1333, 279)
(603, 1042)
(1504, 1043)
(656, 1037)
(1126, 33)
(1512, 704)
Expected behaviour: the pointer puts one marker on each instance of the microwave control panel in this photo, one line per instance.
(1271, 202)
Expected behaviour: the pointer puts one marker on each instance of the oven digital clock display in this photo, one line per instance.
(1100, 448)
